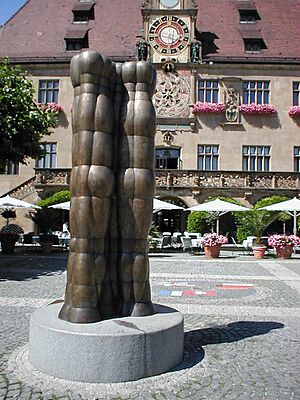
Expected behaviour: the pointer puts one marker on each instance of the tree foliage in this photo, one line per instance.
(23, 123)
(255, 222)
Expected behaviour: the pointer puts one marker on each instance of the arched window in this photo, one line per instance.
(167, 158)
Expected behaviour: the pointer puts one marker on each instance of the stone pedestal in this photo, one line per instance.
(115, 350)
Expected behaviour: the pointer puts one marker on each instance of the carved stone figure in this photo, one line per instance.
(232, 97)
(112, 189)
(195, 52)
(142, 50)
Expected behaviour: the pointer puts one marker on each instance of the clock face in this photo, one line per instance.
(169, 35)
(169, 3)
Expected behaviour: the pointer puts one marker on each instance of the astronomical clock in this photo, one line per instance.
(169, 27)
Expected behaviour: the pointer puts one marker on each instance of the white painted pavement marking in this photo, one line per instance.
(176, 293)
(239, 311)
(289, 277)
(160, 275)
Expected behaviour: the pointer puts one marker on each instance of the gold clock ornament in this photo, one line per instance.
(169, 35)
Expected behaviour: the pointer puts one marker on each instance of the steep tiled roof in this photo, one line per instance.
(39, 28)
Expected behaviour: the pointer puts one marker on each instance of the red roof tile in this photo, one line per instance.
(39, 28)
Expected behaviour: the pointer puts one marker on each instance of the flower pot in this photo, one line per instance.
(285, 251)
(212, 251)
(259, 251)
(8, 246)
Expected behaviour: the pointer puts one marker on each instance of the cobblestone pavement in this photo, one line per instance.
(242, 329)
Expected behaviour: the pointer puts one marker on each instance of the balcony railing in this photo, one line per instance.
(226, 179)
(194, 179)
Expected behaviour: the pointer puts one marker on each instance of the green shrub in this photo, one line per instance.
(59, 197)
(197, 221)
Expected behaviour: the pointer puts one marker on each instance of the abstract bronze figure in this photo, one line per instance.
(112, 189)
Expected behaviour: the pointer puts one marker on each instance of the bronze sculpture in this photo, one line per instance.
(112, 189)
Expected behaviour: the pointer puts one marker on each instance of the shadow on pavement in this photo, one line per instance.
(232, 332)
(21, 268)
(194, 340)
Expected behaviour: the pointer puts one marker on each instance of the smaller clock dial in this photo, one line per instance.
(169, 3)
(169, 35)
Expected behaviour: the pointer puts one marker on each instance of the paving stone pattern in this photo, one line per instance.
(233, 355)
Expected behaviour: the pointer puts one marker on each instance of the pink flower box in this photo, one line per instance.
(50, 107)
(294, 111)
(208, 107)
(257, 109)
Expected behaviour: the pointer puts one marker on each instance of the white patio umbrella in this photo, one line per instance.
(291, 206)
(157, 206)
(62, 206)
(9, 202)
(217, 207)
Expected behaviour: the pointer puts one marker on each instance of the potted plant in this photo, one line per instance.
(46, 242)
(212, 243)
(283, 244)
(8, 242)
(255, 222)
(45, 219)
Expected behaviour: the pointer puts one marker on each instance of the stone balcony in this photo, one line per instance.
(193, 182)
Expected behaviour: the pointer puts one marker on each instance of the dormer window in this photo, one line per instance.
(76, 40)
(248, 16)
(254, 45)
(83, 12)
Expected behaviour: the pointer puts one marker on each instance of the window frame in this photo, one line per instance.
(296, 93)
(254, 45)
(208, 157)
(209, 92)
(11, 168)
(253, 159)
(254, 94)
(296, 159)
(163, 159)
(48, 94)
(46, 162)
(250, 16)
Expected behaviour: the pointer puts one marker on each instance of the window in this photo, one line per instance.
(254, 45)
(48, 91)
(256, 92)
(297, 159)
(248, 16)
(296, 93)
(77, 44)
(167, 158)
(208, 157)
(83, 16)
(11, 168)
(256, 158)
(49, 160)
(208, 91)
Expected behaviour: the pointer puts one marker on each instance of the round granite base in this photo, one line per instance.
(115, 350)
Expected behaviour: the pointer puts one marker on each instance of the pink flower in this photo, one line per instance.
(50, 107)
(294, 111)
(213, 239)
(283, 240)
(257, 108)
(200, 107)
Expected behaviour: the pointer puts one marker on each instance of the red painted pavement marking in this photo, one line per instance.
(188, 293)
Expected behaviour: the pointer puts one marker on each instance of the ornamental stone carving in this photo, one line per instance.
(232, 101)
(172, 96)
